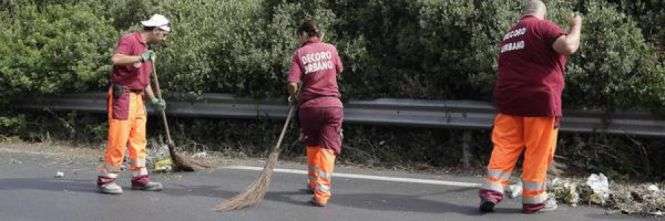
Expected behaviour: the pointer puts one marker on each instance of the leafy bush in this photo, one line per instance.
(54, 49)
(650, 15)
(449, 51)
(210, 40)
(615, 67)
(400, 48)
(461, 38)
(12, 125)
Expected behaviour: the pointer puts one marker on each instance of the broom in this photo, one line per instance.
(180, 162)
(257, 190)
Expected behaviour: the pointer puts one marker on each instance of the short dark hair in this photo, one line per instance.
(146, 28)
(310, 27)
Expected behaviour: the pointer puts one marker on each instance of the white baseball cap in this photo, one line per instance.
(158, 21)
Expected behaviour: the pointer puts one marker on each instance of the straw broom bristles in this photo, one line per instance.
(257, 190)
(180, 162)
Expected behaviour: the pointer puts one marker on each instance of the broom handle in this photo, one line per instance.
(158, 92)
(286, 125)
(292, 108)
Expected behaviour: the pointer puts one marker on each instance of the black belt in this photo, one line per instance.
(137, 91)
(119, 90)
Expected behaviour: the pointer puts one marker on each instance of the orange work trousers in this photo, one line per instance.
(512, 135)
(126, 135)
(321, 162)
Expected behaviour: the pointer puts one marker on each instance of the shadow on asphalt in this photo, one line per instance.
(380, 202)
(398, 202)
(369, 201)
(375, 201)
(618, 217)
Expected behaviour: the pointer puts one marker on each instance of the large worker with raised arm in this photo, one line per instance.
(527, 93)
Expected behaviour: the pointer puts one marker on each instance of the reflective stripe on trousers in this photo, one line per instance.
(321, 164)
(534, 192)
(126, 135)
(496, 180)
(512, 136)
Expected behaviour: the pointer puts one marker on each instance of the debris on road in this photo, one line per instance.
(565, 190)
(163, 165)
(158, 159)
(515, 190)
(657, 213)
(551, 203)
(641, 199)
(600, 188)
(644, 199)
(653, 188)
(200, 155)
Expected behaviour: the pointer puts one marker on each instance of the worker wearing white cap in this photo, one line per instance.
(130, 86)
(157, 21)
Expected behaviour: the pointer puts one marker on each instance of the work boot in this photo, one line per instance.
(486, 206)
(489, 199)
(143, 183)
(107, 185)
(549, 205)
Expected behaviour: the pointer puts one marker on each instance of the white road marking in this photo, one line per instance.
(368, 177)
(7, 150)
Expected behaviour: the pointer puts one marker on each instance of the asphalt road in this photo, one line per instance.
(29, 191)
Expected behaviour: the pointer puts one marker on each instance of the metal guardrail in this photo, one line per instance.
(397, 112)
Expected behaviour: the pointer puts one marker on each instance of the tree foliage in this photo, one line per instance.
(444, 49)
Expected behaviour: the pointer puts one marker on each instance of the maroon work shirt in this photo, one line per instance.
(531, 72)
(128, 75)
(316, 65)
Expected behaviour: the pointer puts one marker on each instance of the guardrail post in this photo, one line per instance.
(466, 149)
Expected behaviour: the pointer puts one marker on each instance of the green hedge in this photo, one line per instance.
(447, 49)
(54, 49)
(615, 67)
(434, 49)
(650, 15)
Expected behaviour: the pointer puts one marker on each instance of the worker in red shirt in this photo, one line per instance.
(527, 93)
(130, 85)
(314, 70)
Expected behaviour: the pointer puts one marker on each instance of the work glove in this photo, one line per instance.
(148, 55)
(158, 104)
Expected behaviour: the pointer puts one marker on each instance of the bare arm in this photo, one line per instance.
(148, 91)
(568, 44)
(338, 65)
(122, 59)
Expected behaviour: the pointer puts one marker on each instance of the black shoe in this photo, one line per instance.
(487, 206)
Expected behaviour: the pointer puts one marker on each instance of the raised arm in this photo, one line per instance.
(568, 44)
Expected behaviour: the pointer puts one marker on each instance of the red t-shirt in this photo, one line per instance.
(316, 65)
(531, 72)
(128, 75)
